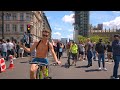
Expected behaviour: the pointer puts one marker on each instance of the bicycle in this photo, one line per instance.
(39, 73)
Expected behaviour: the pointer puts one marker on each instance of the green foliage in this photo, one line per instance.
(81, 38)
(93, 38)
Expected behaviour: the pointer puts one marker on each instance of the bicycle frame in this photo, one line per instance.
(39, 73)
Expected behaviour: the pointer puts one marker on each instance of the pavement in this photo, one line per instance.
(80, 71)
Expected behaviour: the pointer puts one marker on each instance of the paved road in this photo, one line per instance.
(21, 70)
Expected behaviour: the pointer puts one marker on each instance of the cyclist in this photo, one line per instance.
(41, 53)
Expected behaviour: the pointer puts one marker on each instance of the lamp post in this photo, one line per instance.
(2, 25)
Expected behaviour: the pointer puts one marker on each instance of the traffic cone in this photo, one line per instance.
(11, 66)
(2, 65)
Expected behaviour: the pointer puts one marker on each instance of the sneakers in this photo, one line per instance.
(99, 68)
(105, 69)
(115, 78)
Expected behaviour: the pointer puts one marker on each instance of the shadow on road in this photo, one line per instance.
(92, 70)
(65, 66)
(25, 62)
(64, 57)
(81, 67)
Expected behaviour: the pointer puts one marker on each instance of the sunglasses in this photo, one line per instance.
(45, 35)
(46, 31)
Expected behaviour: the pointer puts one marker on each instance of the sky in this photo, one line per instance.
(61, 22)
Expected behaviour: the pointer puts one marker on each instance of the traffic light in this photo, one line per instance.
(28, 28)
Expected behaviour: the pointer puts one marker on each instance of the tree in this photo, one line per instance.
(81, 38)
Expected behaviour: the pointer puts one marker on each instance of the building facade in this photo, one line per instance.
(46, 24)
(81, 23)
(15, 23)
(105, 33)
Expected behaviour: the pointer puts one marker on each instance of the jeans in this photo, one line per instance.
(101, 56)
(94, 55)
(116, 65)
(89, 57)
(4, 54)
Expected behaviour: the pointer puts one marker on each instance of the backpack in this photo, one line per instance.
(39, 43)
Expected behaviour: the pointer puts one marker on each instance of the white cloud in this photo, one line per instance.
(113, 23)
(70, 36)
(57, 33)
(68, 18)
(70, 30)
(57, 28)
(116, 11)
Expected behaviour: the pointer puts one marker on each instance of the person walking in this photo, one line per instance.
(116, 55)
(74, 52)
(89, 52)
(100, 49)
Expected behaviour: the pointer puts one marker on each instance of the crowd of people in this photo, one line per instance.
(79, 51)
(10, 47)
(96, 51)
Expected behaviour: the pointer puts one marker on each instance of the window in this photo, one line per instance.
(28, 16)
(21, 16)
(7, 27)
(14, 16)
(7, 15)
(21, 28)
(14, 28)
(0, 27)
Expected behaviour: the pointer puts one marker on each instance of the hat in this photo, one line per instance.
(116, 35)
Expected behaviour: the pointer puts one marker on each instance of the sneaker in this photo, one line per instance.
(105, 69)
(115, 78)
(14, 58)
(99, 68)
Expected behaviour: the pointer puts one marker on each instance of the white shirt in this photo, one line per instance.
(10, 46)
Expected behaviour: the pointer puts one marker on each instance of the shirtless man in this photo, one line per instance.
(41, 53)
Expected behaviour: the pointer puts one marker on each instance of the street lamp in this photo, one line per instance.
(2, 25)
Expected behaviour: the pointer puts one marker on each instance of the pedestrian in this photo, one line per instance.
(10, 47)
(94, 51)
(17, 49)
(109, 51)
(100, 49)
(60, 51)
(81, 50)
(21, 52)
(74, 52)
(68, 48)
(4, 49)
(89, 46)
(58, 47)
(116, 55)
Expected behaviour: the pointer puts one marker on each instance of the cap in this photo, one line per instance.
(116, 35)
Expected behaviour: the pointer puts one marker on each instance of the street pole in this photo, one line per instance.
(2, 25)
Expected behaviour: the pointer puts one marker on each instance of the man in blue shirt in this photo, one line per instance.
(116, 55)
